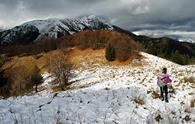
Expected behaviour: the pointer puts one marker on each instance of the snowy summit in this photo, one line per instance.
(52, 28)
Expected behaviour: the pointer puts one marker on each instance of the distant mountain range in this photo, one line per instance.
(38, 30)
(163, 45)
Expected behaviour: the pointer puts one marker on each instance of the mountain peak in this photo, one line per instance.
(55, 28)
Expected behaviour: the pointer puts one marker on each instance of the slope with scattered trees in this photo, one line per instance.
(125, 47)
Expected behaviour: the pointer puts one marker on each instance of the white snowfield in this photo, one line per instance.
(109, 95)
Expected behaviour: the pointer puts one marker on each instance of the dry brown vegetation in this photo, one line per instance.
(18, 71)
(60, 67)
(158, 118)
(139, 100)
(78, 57)
(189, 80)
(125, 46)
(192, 103)
(155, 95)
(18, 80)
(87, 48)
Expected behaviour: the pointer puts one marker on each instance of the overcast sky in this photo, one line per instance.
(129, 14)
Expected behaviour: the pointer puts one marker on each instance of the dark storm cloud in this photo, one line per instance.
(130, 14)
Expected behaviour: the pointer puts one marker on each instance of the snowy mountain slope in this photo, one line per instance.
(21, 34)
(54, 28)
(110, 95)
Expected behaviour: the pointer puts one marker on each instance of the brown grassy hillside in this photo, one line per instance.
(123, 44)
(18, 69)
(85, 49)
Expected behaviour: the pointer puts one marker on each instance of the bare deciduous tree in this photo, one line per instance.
(60, 67)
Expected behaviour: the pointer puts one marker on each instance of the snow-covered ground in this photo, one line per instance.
(110, 95)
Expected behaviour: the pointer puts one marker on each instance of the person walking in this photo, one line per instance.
(163, 80)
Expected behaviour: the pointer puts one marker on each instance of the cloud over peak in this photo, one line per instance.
(129, 14)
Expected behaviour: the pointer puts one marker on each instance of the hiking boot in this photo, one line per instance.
(162, 98)
(166, 100)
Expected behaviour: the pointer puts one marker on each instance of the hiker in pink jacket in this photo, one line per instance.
(163, 81)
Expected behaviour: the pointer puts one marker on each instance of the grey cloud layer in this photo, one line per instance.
(130, 14)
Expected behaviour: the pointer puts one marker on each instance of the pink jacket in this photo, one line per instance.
(164, 78)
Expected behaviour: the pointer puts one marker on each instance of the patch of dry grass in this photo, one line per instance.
(157, 71)
(192, 103)
(92, 57)
(173, 113)
(180, 74)
(171, 89)
(139, 100)
(28, 61)
(58, 88)
(189, 80)
(158, 118)
(155, 95)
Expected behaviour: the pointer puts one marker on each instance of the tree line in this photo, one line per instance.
(124, 46)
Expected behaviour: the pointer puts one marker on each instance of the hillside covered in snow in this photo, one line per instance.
(109, 94)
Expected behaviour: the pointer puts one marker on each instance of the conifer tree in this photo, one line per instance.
(36, 77)
(110, 53)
